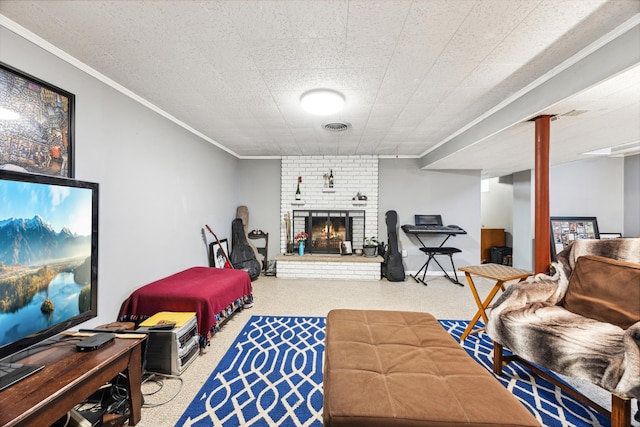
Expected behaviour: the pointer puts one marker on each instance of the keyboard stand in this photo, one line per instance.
(432, 251)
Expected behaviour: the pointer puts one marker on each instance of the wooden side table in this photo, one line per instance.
(70, 376)
(497, 272)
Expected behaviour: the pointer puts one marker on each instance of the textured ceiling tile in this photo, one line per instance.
(301, 80)
(318, 19)
(448, 74)
(520, 47)
(141, 21)
(259, 19)
(463, 96)
(385, 113)
(558, 16)
(369, 52)
(320, 53)
(53, 29)
(414, 114)
(411, 52)
(286, 99)
(208, 21)
(489, 75)
(249, 81)
(271, 120)
(429, 93)
(274, 54)
(357, 99)
(369, 18)
(362, 78)
(436, 20)
(227, 55)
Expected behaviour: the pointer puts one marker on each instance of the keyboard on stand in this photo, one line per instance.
(408, 228)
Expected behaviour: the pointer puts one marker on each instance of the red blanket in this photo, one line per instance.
(207, 291)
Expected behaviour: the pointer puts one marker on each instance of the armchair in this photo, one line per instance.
(583, 321)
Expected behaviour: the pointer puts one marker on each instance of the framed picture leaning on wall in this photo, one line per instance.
(36, 125)
(566, 229)
(218, 254)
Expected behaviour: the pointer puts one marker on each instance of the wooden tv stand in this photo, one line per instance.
(69, 377)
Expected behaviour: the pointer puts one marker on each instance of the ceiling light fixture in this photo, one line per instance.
(322, 102)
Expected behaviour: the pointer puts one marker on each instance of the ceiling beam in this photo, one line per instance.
(600, 61)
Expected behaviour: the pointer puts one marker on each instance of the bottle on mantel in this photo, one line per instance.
(331, 178)
(298, 194)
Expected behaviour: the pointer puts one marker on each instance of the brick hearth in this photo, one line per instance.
(348, 267)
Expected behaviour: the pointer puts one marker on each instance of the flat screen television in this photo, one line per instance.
(48, 263)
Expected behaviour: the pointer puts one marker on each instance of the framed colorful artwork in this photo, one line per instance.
(566, 229)
(36, 125)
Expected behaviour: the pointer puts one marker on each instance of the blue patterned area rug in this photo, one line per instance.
(272, 376)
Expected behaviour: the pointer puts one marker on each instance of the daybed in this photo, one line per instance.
(583, 322)
(213, 293)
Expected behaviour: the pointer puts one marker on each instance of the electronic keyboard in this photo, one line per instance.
(435, 229)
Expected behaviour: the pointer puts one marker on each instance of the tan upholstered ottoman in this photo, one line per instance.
(393, 368)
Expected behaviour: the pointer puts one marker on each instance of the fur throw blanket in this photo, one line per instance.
(530, 320)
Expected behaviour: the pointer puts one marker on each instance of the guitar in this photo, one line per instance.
(392, 267)
(227, 262)
(242, 255)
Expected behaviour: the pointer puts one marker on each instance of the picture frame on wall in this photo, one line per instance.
(567, 229)
(217, 253)
(36, 125)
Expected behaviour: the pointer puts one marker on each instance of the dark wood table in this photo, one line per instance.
(68, 378)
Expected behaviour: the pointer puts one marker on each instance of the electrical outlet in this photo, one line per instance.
(404, 253)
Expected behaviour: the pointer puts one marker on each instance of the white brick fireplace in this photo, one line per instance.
(352, 174)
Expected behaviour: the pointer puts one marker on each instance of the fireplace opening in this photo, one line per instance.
(327, 234)
(327, 229)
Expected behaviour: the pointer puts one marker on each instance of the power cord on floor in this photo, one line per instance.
(158, 379)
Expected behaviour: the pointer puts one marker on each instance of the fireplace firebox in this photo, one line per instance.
(327, 229)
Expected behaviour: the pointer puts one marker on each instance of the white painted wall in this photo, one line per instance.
(259, 190)
(453, 194)
(631, 226)
(159, 184)
(523, 202)
(592, 187)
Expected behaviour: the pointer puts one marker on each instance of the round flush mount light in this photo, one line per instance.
(322, 102)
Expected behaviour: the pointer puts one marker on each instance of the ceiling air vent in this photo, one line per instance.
(336, 126)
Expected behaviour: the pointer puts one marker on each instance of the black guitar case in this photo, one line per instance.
(392, 267)
(242, 255)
